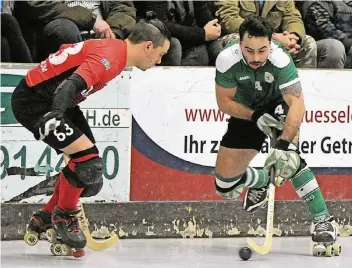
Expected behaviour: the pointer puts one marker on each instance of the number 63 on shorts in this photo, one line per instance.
(61, 136)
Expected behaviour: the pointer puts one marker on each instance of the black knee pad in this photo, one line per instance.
(90, 172)
(87, 174)
(92, 190)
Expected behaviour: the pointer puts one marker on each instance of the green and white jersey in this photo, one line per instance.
(256, 88)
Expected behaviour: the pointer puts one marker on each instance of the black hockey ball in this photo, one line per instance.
(245, 253)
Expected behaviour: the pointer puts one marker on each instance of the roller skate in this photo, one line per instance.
(69, 239)
(324, 234)
(39, 228)
(255, 198)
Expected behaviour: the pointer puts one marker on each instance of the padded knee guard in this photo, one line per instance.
(229, 188)
(91, 173)
(92, 190)
(87, 174)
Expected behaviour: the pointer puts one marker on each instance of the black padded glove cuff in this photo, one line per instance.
(256, 114)
(282, 144)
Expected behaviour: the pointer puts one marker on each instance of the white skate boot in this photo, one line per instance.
(324, 234)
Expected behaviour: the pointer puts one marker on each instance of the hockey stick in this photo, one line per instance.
(91, 242)
(265, 248)
(83, 223)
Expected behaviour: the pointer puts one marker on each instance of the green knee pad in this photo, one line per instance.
(229, 188)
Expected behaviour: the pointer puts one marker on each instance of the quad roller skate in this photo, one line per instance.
(39, 228)
(324, 234)
(68, 240)
(59, 248)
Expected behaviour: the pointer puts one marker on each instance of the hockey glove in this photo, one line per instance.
(47, 123)
(286, 162)
(266, 122)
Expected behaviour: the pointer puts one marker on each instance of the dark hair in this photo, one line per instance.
(256, 26)
(150, 29)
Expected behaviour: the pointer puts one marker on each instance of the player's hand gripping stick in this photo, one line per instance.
(266, 122)
(49, 122)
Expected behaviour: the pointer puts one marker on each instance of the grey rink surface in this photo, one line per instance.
(178, 253)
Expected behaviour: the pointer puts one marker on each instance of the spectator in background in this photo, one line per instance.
(330, 23)
(59, 22)
(13, 45)
(191, 26)
(286, 19)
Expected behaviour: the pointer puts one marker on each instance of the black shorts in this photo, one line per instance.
(244, 134)
(28, 107)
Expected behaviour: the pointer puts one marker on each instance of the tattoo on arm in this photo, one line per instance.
(295, 90)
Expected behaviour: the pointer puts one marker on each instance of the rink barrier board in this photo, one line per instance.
(208, 219)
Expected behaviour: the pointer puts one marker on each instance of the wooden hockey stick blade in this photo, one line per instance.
(91, 242)
(266, 247)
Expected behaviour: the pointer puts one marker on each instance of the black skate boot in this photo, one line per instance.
(325, 230)
(324, 234)
(37, 228)
(255, 198)
(67, 227)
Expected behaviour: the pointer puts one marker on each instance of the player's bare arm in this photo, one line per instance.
(293, 96)
(226, 103)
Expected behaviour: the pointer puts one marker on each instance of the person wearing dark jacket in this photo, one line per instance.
(330, 23)
(192, 28)
(62, 22)
(13, 45)
(283, 15)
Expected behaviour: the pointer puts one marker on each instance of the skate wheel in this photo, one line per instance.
(337, 249)
(52, 249)
(60, 250)
(318, 250)
(50, 235)
(78, 253)
(31, 238)
(329, 251)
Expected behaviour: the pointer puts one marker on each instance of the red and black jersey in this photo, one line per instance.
(97, 61)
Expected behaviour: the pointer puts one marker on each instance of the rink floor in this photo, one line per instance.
(178, 253)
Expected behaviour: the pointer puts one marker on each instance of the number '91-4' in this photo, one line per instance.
(44, 166)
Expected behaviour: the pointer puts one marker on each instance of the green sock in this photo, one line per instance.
(256, 178)
(307, 188)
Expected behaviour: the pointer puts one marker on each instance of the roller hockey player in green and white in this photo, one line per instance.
(258, 86)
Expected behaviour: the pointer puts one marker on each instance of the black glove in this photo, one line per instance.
(281, 144)
(256, 114)
(47, 123)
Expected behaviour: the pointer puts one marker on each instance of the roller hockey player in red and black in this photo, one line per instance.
(46, 103)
